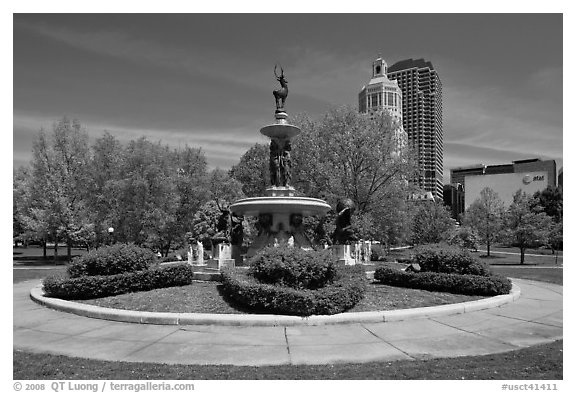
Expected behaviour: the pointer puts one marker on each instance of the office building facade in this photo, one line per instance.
(421, 90)
(529, 176)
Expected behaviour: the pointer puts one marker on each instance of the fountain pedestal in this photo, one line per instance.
(344, 254)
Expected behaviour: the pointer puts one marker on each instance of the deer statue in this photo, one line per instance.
(281, 93)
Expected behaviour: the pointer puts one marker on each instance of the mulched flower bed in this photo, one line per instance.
(205, 297)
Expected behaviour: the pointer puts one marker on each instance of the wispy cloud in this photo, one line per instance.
(489, 117)
(223, 148)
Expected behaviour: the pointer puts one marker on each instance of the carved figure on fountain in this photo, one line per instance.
(343, 234)
(281, 94)
(237, 231)
(286, 165)
(223, 226)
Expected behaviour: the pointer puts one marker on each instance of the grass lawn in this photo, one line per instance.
(542, 362)
(204, 297)
(552, 275)
(19, 275)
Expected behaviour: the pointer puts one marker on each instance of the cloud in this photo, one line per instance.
(489, 118)
(223, 148)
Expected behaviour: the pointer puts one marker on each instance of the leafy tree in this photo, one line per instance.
(20, 201)
(486, 216)
(550, 199)
(205, 223)
(252, 170)
(393, 218)
(464, 236)
(555, 238)
(57, 191)
(349, 154)
(224, 189)
(192, 189)
(105, 172)
(525, 225)
(431, 223)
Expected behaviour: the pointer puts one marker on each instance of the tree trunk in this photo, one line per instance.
(56, 251)
(522, 251)
(69, 251)
(45, 254)
(167, 249)
(488, 248)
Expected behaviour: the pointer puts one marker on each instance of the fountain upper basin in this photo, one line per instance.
(280, 131)
(280, 204)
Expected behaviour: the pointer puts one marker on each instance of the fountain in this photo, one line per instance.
(280, 213)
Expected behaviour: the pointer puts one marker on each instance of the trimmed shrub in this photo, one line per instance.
(90, 287)
(378, 253)
(342, 294)
(293, 267)
(465, 237)
(111, 260)
(443, 258)
(465, 284)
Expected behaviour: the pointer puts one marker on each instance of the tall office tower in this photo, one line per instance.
(422, 119)
(384, 94)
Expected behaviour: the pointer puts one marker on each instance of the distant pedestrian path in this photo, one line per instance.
(517, 253)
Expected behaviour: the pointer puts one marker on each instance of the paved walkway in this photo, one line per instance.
(535, 318)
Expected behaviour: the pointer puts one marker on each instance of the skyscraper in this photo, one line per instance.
(422, 119)
(380, 93)
(384, 94)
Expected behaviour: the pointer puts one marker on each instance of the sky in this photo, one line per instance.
(206, 80)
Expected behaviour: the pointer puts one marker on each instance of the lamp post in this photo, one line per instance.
(111, 234)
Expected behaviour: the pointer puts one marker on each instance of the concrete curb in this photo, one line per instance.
(165, 318)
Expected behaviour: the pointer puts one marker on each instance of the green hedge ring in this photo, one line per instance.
(344, 293)
(464, 284)
(90, 287)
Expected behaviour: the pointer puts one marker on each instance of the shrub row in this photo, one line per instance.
(344, 293)
(89, 287)
(443, 258)
(111, 260)
(465, 284)
(293, 267)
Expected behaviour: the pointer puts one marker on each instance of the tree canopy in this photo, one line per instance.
(526, 225)
(486, 216)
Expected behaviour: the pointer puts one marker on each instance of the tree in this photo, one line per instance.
(431, 222)
(550, 199)
(486, 216)
(20, 201)
(146, 201)
(353, 155)
(205, 223)
(464, 236)
(252, 171)
(105, 173)
(57, 191)
(526, 225)
(555, 238)
(224, 189)
(192, 188)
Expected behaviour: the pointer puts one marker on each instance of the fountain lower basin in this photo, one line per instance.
(280, 217)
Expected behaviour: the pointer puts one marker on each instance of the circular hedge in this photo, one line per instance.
(110, 260)
(288, 280)
(444, 258)
(293, 267)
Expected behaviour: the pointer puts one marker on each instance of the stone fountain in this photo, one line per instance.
(280, 213)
